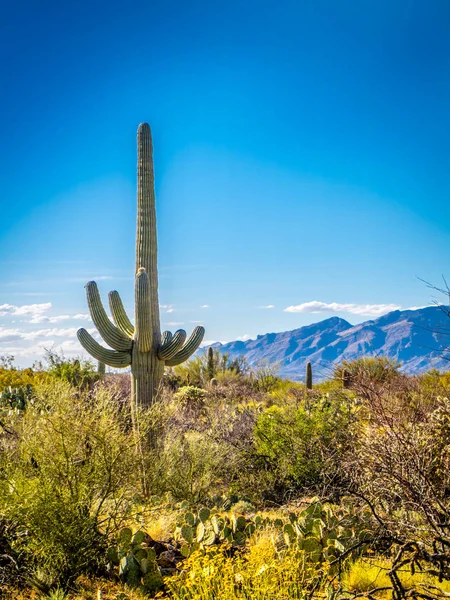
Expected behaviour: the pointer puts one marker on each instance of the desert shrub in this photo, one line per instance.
(263, 573)
(79, 373)
(12, 566)
(302, 444)
(265, 378)
(189, 395)
(67, 471)
(203, 441)
(188, 465)
(283, 390)
(403, 463)
(12, 377)
(191, 371)
(401, 468)
(369, 376)
(197, 371)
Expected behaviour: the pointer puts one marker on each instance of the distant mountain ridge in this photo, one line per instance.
(416, 338)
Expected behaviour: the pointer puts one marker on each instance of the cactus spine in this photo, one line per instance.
(309, 379)
(140, 346)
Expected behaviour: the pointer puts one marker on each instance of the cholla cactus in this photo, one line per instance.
(142, 346)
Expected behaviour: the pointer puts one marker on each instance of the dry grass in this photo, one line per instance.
(365, 575)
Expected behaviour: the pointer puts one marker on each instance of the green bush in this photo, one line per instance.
(188, 465)
(79, 373)
(302, 445)
(65, 479)
(212, 363)
(190, 395)
(369, 377)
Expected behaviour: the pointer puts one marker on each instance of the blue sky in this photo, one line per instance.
(301, 153)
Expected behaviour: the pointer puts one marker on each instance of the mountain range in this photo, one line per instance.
(418, 339)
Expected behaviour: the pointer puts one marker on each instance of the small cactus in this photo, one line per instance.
(309, 380)
(101, 367)
(210, 366)
(134, 561)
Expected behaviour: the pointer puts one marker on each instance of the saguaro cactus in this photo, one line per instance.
(308, 376)
(210, 366)
(142, 346)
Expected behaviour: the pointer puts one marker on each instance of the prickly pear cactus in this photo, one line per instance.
(199, 531)
(141, 346)
(322, 532)
(134, 561)
(16, 398)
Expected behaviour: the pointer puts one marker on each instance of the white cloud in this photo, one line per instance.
(37, 313)
(70, 332)
(197, 322)
(244, 338)
(268, 306)
(86, 279)
(59, 318)
(370, 310)
(37, 350)
(168, 308)
(46, 319)
(33, 310)
(12, 335)
(204, 306)
(173, 323)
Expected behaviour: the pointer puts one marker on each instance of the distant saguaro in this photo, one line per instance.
(309, 380)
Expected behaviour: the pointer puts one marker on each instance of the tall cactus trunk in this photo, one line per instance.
(146, 237)
(146, 368)
(146, 374)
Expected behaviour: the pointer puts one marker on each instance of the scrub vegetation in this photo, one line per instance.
(233, 484)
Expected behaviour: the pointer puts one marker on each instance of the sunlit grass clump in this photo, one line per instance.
(366, 575)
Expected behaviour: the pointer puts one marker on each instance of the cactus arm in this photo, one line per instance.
(109, 332)
(166, 336)
(109, 357)
(169, 349)
(119, 315)
(143, 332)
(188, 349)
